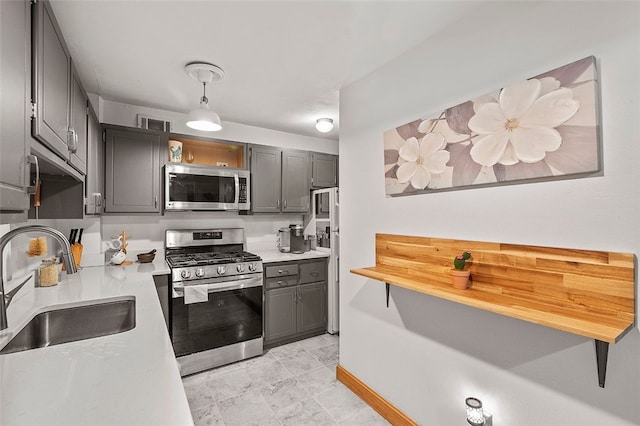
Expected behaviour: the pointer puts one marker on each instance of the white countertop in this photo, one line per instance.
(274, 255)
(129, 378)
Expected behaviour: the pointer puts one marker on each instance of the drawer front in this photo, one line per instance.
(279, 282)
(281, 270)
(313, 271)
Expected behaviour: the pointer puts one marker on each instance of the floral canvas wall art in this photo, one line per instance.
(546, 127)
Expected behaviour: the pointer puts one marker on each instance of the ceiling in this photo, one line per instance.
(284, 61)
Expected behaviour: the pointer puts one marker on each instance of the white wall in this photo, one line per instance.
(425, 355)
(125, 115)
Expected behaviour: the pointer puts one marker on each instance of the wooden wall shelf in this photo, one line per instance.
(584, 292)
(211, 152)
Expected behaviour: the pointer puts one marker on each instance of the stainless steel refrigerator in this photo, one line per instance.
(325, 208)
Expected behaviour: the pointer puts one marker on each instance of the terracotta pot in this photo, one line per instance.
(460, 278)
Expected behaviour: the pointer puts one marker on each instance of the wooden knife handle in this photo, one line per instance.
(36, 196)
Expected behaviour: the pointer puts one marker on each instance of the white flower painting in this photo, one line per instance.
(542, 128)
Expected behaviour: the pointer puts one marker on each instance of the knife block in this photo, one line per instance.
(76, 250)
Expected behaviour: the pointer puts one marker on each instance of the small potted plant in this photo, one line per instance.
(460, 275)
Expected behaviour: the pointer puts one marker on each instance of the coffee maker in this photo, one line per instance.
(297, 240)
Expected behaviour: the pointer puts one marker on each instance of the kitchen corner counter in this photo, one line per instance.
(271, 256)
(130, 378)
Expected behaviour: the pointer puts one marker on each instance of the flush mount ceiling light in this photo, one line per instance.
(203, 118)
(324, 125)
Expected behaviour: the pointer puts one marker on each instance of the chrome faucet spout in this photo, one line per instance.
(67, 259)
(9, 296)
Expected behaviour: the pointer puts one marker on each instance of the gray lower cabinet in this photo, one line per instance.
(162, 283)
(15, 66)
(280, 180)
(295, 300)
(324, 170)
(133, 169)
(280, 314)
(312, 307)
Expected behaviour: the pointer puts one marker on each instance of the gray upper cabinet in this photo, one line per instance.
(94, 181)
(14, 110)
(132, 169)
(266, 175)
(280, 180)
(59, 100)
(324, 170)
(78, 129)
(51, 81)
(296, 177)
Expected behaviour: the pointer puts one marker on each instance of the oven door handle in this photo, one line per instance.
(224, 286)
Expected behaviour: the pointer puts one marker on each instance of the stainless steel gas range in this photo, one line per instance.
(216, 312)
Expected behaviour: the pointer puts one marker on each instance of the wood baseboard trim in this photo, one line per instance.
(375, 401)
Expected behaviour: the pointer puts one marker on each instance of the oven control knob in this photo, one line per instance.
(199, 272)
(221, 270)
(252, 267)
(185, 274)
(240, 267)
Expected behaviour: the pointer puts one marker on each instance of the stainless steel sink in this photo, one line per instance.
(65, 325)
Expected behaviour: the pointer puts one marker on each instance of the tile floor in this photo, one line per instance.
(292, 384)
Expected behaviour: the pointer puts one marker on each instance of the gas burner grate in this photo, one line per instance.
(209, 258)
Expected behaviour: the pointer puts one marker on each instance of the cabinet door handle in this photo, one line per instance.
(32, 159)
(155, 201)
(314, 273)
(299, 296)
(98, 199)
(72, 140)
(295, 296)
(284, 204)
(283, 271)
(280, 282)
(278, 204)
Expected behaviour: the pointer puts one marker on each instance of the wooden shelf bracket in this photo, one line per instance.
(602, 353)
(388, 286)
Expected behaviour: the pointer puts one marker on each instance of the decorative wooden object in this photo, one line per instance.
(585, 292)
(373, 399)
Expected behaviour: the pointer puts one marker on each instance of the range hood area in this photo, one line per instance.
(62, 187)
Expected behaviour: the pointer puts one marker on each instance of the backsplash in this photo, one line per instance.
(144, 233)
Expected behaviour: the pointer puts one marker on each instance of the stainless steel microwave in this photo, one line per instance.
(196, 187)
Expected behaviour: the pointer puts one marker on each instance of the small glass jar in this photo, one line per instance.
(48, 273)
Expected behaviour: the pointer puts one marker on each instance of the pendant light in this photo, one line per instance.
(203, 118)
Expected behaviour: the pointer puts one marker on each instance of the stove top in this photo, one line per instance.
(183, 260)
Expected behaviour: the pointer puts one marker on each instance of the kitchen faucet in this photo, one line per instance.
(67, 259)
